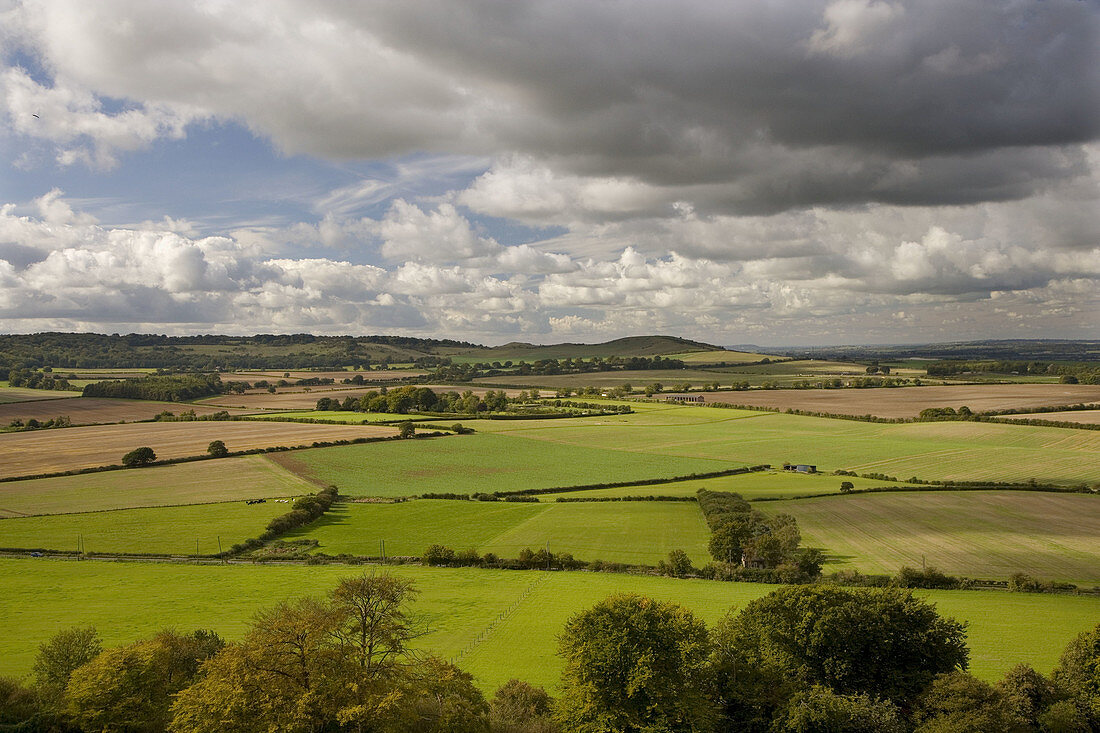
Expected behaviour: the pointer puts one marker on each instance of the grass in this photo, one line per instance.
(228, 479)
(757, 485)
(22, 394)
(634, 532)
(179, 530)
(960, 451)
(126, 601)
(983, 534)
(481, 463)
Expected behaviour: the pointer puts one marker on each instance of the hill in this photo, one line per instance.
(629, 346)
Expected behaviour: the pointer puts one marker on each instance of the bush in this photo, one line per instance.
(217, 449)
(139, 457)
(438, 555)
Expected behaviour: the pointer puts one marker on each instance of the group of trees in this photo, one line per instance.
(403, 400)
(34, 379)
(801, 659)
(807, 659)
(549, 367)
(742, 535)
(160, 387)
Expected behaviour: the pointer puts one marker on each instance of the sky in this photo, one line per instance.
(765, 172)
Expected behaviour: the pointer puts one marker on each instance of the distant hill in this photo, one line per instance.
(1007, 349)
(629, 346)
(306, 351)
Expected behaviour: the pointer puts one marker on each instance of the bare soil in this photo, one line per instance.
(96, 410)
(65, 449)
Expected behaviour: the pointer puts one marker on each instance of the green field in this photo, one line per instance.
(176, 530)
(246, 477)
(21, 394)
(776, 484)
(481, 462)
(979, 534)
(126, 601)
(630, 532)
(962, 451)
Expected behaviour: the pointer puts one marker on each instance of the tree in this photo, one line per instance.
(958, 702)
(58, 657)
(518, 707)
(131, 687)
(678, 564)
(633, 663)
(1027, 693)
(217, 449)
(880, 642)
(406, 429)
(846, 486)
(17, 705)
(1078, 674)
(820, 709)
(139, 457)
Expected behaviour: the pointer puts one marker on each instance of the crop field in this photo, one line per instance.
(96, 410)
(983, 534)
(240, 477)
(47, 451)
(632, 532)
(357, 418)
(961, 451)
(715, 357)
(20, 394)
(338, 376)
(126, 601)
(197, 529)
(767, 485)
(1085, 417)
(909, 401)
(483, 462)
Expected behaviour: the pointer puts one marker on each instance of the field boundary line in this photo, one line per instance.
(501, 618)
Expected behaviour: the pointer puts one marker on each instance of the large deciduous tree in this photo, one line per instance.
(634, 664)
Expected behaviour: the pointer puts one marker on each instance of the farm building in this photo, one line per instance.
(697, 398)
(799, 467)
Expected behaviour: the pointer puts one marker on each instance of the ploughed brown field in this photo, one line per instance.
(65, 449)
(909, 401)
(94, 410)
(297, 399)
(1085, 417)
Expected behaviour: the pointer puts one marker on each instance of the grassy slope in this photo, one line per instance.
(979, 534)
(128, 601)
(634, 532)
(936, 450)
(171, 530)
(228, 479)
(481, 462)
(630, 346)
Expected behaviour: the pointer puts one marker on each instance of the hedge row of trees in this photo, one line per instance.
(33, 379)
(743, 535)
(159, 387)
(549, 367)
(1081, 372)
(304, 510)
(801, 659)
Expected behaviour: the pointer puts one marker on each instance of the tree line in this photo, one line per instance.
(801, 659)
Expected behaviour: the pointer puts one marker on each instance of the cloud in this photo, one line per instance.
(612, 108)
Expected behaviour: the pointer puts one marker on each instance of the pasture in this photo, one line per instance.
(21, 394)
(201, 482)
(481, 462)
(126, 601)
(47, 451)
(979, 534)
(628, 532)
(909, 401)
(959, 451)
(96, 410)
(174, 530)
(766, 485)
(274, 375)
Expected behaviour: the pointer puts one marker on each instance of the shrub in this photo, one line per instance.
(139, 457)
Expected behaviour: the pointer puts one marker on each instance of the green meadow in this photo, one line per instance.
(481, 463)
(175, 530)
(961, 451)
(627, 532)
(244, 477)
(517, 615)
(979, 534)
